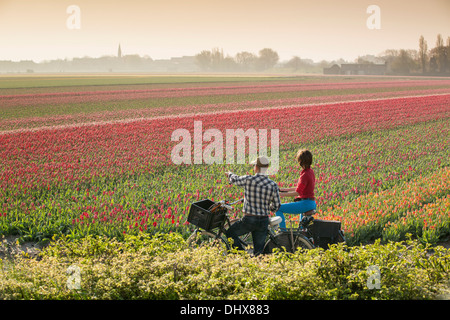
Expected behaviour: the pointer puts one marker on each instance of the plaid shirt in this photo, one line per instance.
(261, 195)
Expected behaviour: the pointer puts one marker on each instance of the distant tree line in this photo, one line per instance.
(215, 60)
(125, 63)
(432, 61)
(436, 59)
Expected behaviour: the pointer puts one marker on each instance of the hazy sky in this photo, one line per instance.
(314, 29)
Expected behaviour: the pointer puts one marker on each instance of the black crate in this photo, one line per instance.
(325, 232)
(200, 216)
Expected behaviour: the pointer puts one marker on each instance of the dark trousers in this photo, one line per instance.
(256, 225)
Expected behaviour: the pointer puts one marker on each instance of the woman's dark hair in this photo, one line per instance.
(304, 158)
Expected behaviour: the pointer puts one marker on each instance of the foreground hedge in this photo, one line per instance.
(161, 267)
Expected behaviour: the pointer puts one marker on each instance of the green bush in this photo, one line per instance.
(162, 267)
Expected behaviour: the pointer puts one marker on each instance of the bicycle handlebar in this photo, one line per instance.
(228, 205)
(240, 200)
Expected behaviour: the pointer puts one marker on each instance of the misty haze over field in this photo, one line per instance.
(216, 36)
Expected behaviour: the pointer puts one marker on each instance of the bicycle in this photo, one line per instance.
(212, 219)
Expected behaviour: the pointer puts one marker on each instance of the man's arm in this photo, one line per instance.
(236, 180)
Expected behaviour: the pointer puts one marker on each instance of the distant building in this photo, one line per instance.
(357, 69)
(334, 69)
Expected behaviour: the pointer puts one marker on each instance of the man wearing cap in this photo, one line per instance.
(261, 195)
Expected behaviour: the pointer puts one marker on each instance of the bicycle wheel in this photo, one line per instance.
(205, 238)
(289, 241)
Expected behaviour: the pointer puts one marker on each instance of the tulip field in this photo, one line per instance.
(79, 159)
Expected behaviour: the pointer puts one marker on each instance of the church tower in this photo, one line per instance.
(119, 52)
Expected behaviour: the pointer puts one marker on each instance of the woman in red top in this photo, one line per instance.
(303, 192)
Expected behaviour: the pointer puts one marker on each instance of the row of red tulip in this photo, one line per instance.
(61, 155)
